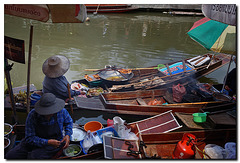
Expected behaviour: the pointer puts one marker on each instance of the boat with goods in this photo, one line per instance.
(159, 76)
(152, 102)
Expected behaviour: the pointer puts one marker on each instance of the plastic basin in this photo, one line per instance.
(92, 126)
(199, 117)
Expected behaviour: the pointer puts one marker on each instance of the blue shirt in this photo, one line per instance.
(58, 87)
(63, 118)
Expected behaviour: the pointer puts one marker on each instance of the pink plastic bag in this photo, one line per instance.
(178, 92)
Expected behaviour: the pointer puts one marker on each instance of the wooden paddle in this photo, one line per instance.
(147, 68)
(95, 13)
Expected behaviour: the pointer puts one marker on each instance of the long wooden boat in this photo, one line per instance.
(162, 123)
(139, 103)
(109, 8)
(154, 132)
(162, 145)
(180, 71)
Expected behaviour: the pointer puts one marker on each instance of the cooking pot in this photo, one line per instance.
(6, 143)
(111, 76)
(7, 129)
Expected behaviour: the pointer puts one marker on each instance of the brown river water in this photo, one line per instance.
(130, 40)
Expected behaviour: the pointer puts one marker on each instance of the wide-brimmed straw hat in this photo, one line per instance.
(55, 66)
(49, 104)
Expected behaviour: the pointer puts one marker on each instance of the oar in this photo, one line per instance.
(95, 13)
(196, 103)
(69, 96)
(147, 68)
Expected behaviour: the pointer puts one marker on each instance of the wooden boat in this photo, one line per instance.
(180, 71)
(155, 132)
(162, 145)
(139, 102)
(109, 8)
(161, 123)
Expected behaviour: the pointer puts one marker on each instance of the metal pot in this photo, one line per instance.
(7, 142)
(72, 150)
(7, 129)
(114, 77)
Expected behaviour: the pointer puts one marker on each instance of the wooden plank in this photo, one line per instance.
(141, 101)
(187, 119)
(223, 119)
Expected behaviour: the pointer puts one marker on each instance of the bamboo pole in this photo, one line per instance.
(8, 78)
(195, 103)
(29, 68)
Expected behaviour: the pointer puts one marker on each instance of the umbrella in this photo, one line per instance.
(59, 13)
(214, 35)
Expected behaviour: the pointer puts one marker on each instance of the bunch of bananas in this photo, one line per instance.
(21, 97)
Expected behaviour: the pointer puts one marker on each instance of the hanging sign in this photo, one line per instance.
(225, 13)
(14, 49)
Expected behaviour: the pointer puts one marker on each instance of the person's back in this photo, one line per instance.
(231, 82)
(54, 82)
(56, 86)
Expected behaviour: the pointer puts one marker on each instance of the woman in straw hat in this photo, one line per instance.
(54, 82)
(43, 133)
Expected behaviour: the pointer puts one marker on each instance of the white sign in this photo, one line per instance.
(225, 13)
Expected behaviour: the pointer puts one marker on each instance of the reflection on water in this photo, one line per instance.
(139, 39)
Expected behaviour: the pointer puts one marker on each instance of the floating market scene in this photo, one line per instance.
(120, 82)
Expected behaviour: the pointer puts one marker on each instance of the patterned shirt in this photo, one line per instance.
(63, 118)
(58, 87)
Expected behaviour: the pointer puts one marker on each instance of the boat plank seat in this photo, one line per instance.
(141, 101)
(223, 119)
(90, 103)
(187, 119)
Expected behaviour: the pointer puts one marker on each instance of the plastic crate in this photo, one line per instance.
(81, 144)
(99, 133)
(110, 128)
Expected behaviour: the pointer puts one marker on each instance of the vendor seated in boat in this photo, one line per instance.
(43, 134)
(231, 81)
(54, 82)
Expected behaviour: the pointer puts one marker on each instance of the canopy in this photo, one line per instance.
(214, 35)
(59, 13)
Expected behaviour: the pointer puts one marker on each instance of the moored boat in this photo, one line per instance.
(155, 101)
(109, 8)
(174, 72)
(163, 145)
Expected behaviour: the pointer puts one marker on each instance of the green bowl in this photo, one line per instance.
(199, 117)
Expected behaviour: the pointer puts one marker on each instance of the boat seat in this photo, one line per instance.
(141, 101)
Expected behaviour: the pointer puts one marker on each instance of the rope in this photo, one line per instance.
(202, 152)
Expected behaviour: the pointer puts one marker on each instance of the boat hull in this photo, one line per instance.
(164, 144)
